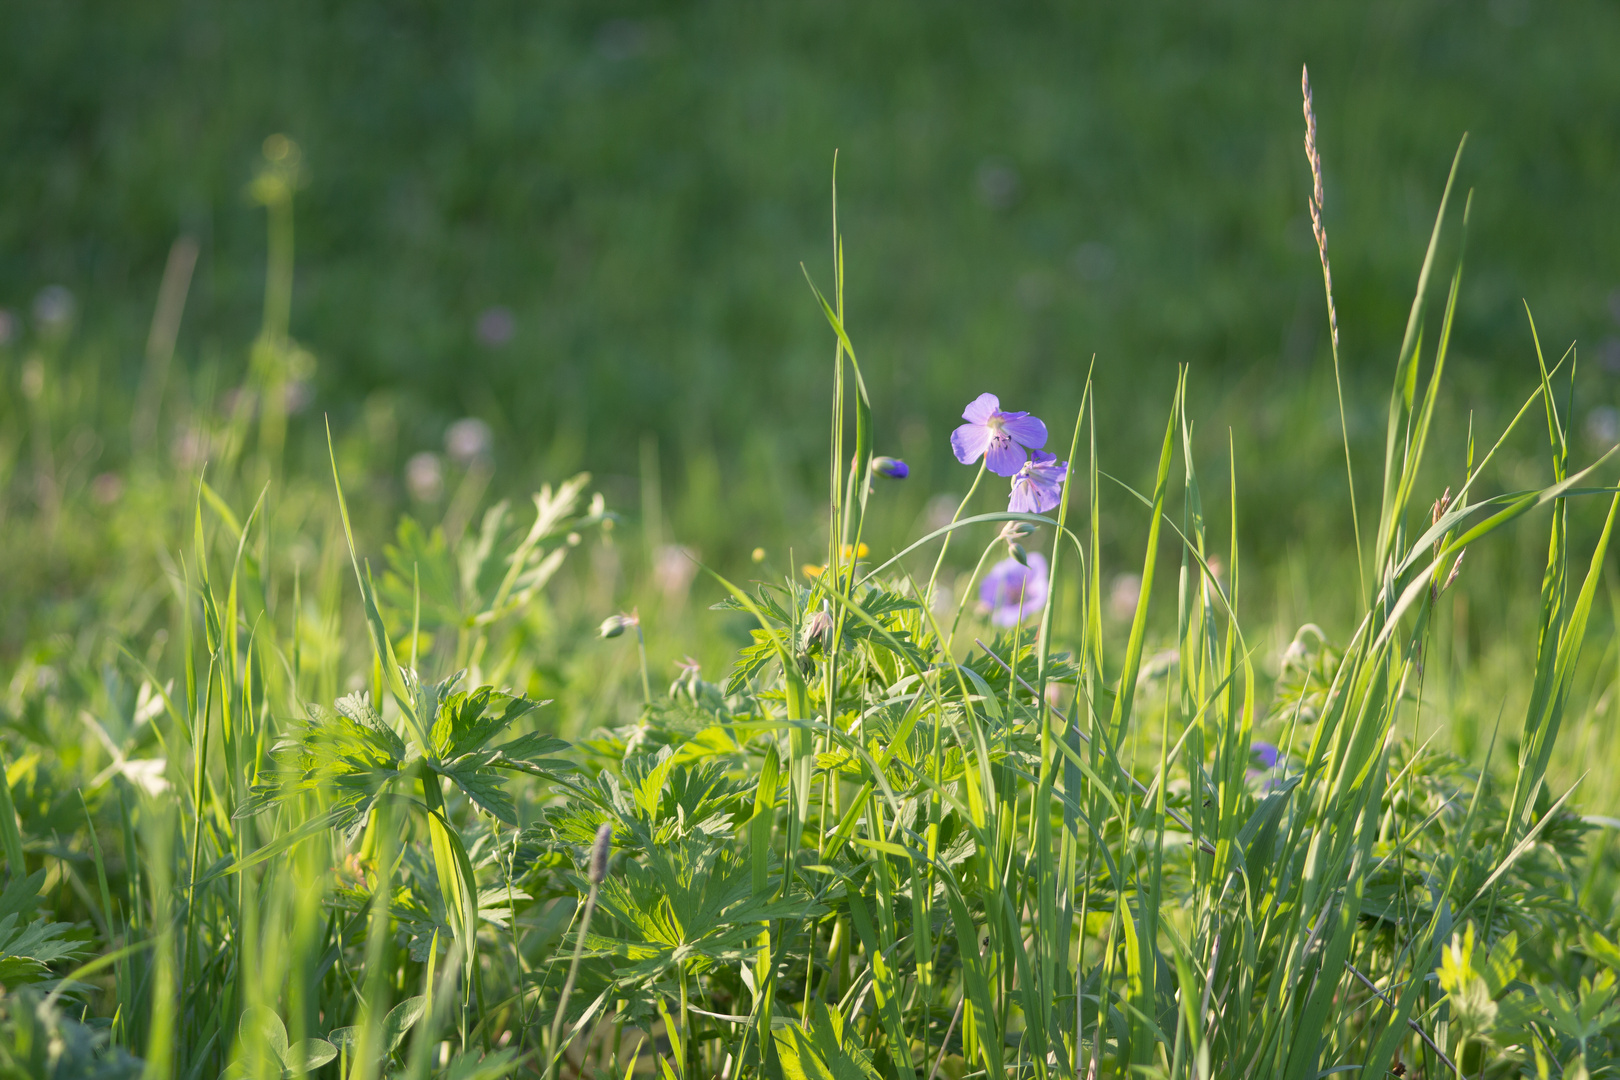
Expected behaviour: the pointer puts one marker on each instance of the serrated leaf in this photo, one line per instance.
(485, 790)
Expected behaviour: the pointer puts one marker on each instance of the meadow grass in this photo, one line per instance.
(300, 810)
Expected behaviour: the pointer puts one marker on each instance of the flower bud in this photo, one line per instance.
(614, 625)
(1016, 530)
(893, 468)
(599, 853)
(1016, 550)
(817, 626)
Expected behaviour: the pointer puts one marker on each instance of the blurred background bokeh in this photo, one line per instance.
(585, 222)
(577, 229)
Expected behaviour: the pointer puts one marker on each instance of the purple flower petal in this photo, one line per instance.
(1003, 457)
(1023, 499)
(969, 442)
(1013, 592)
(893, 468)
(1025, 429)
(1264, 752)
(981, 408)
(1038, 487)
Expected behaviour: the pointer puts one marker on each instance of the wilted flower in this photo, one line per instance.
(1013, 591)
(468, 440)
(893, 468)
(424, 476)
(1038, 487)
(999, 437)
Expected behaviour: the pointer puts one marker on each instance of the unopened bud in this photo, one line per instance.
(614, 625)
(759, 554)
(1016, 530)
(893, 468)
(1017, 551)
(817, 626)
(599, 853)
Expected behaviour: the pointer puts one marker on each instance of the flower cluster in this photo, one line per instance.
(1010, 443)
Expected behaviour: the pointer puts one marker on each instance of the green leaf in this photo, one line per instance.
(308, 1055)
(400, 1019)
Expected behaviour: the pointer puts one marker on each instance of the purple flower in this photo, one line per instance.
(1264, 753)
(1038, 487)
(893, 468)
(999, 437)
(1011, 591)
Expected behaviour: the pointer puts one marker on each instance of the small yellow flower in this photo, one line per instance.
(857, 551)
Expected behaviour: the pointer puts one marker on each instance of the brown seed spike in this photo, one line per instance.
(599, 853)
(1318, 228)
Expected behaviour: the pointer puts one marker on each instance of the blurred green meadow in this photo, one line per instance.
(347, 348)
(588, 228)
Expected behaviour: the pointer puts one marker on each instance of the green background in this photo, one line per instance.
(1021, 186)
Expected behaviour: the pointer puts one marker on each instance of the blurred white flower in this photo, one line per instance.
(1094, 261)
(939, 511)
(999, 183)
(106, 488)
(1603, 426)
(674, 566)
(53, 308)
(424, 477)
(1123, 594)
(496, 326)
(149, 702)
(622, 39)
(190, 446)
(468, 440)
(33, 378)
(146, 774)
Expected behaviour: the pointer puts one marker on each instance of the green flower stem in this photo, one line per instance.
(928, 597)
(555, 1050)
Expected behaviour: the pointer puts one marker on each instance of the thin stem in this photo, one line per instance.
(961, 604)
(946, 546)
(556, 1051)
(646, 683)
